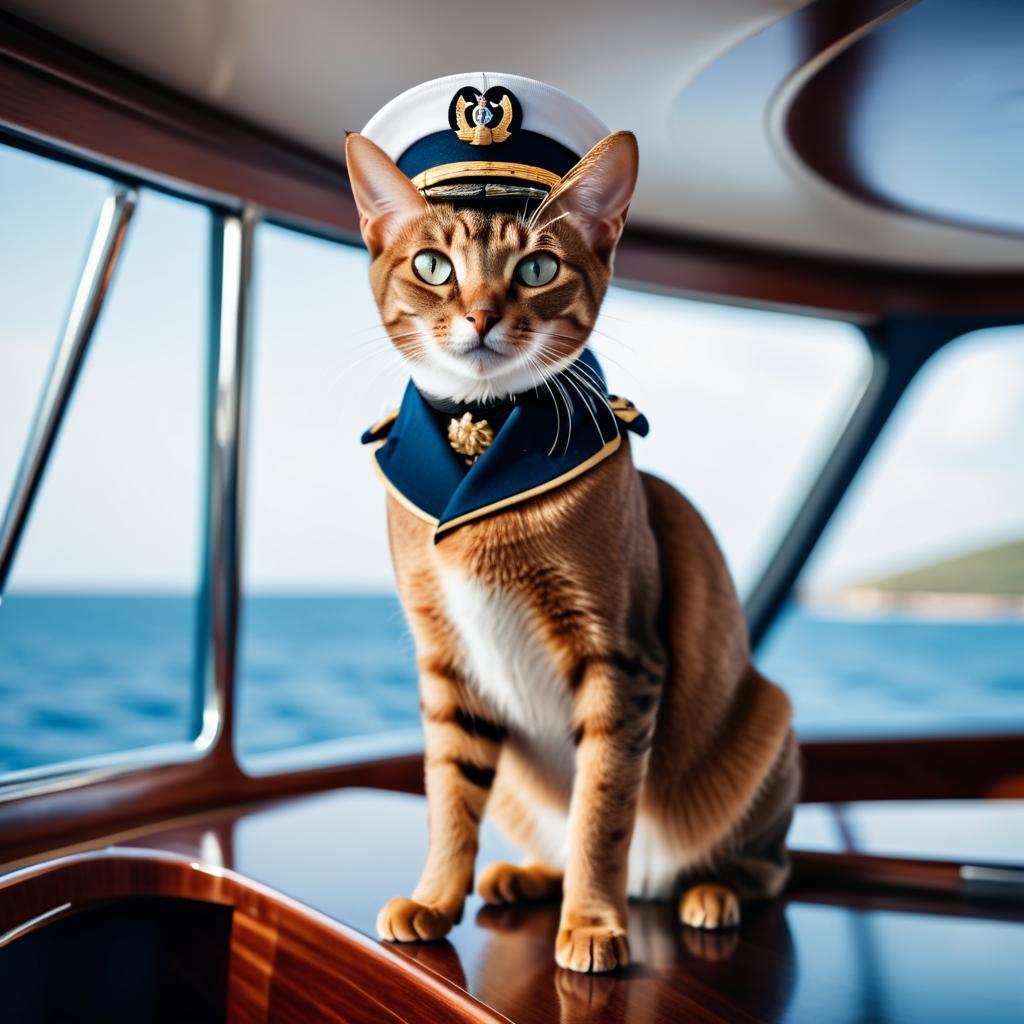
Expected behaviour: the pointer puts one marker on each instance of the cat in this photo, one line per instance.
(585, 675)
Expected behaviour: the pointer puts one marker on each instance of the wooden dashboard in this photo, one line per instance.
(264, 913)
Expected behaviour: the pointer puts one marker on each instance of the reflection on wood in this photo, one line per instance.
(876, 951)
(288, 964)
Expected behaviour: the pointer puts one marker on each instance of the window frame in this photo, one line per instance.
(69, 105)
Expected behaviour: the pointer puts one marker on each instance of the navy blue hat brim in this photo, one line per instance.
(526, 156)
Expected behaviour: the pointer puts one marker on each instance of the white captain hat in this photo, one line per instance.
(484, 132)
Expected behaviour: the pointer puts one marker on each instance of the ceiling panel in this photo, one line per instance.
(312, 69)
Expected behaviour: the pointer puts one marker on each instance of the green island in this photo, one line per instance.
(982, 583)
(997, 570)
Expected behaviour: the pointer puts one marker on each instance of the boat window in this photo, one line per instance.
(910, 617)
(744, 407)
(47, 211)
(324, 652)
(98, 618)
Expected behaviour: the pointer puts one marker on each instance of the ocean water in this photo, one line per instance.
(86, 675)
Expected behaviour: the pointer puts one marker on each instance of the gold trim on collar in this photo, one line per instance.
(395, 492)
(387, 421)
(484, 168)
(623, 408)
(514, 499)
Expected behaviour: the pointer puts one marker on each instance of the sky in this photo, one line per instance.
(744, 406)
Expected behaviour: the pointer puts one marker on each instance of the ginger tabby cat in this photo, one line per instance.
(585, 675)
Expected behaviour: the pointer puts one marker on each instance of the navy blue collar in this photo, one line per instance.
(542, 439)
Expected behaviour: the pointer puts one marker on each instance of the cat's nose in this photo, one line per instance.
(483, 320)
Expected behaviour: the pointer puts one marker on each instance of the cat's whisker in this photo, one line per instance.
(604, 355)
(547, 224)
(361, 346)
(381, 352)
(587, 404)
(392, 357)
(369, 327)
(566, 398)
(611, 337)
(344, 375)
(596, 388)
(534, 363)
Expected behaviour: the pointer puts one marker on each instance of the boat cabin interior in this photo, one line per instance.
(211, 766)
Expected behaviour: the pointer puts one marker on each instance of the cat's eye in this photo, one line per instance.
(537, 269)
(432, 267)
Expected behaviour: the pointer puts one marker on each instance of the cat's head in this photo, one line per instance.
(482, 301)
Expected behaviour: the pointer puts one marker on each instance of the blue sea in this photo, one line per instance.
(85, 675)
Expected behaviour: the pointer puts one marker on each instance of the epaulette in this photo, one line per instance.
(626, 411)
(380, 430)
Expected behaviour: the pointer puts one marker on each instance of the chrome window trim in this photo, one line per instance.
(79, 327)
(83, 771)
(230, 302)
(231, 265)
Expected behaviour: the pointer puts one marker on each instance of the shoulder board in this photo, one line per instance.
(380, 430)
(629, 414)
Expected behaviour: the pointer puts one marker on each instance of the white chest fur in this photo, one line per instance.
(514, 675)
(512, 670)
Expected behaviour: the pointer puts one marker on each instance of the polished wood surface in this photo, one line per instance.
(860, 292)
(288, 964)
(820, 954)
(946, 767)
(834, 772)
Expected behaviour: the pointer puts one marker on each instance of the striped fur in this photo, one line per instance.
(584, 670)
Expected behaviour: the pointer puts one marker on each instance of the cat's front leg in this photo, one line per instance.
(615, 718)
(461, 753)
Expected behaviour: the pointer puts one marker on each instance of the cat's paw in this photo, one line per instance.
(506, 883)
(405, 920)
(592, 948)
(709, 906)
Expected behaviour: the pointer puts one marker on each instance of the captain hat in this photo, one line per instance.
(484, 132)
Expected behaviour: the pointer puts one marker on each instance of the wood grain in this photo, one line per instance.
(293, 870)
(287, 962)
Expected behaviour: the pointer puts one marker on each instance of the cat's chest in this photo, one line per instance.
(511, 667)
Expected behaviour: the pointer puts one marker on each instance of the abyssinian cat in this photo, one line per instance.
(585, 676)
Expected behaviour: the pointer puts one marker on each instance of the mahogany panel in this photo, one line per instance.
(835, 771)
(35, 820)
(294, 869)
(921, 769)
(59, 93)
(315, 968)
(860, 292)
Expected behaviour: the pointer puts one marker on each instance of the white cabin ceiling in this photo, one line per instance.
(312, 69)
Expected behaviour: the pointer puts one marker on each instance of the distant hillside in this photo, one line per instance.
(997, 570)
(978, 584)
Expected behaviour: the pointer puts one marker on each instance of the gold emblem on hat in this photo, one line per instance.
(479, 132)
(470, 437)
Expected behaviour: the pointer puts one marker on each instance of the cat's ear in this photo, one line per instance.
(385, 197)
(598, 191)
